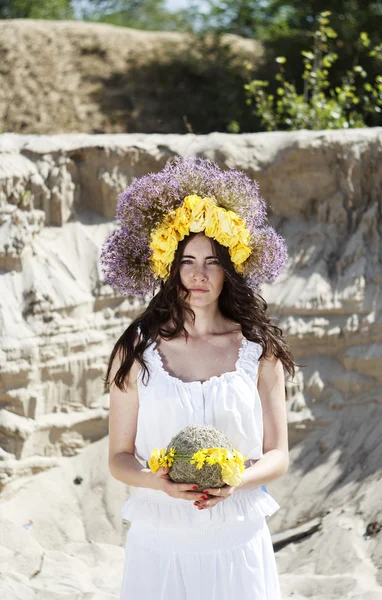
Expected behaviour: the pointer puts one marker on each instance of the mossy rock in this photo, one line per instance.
(188, 441)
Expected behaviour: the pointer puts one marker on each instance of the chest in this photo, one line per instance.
(199, 362)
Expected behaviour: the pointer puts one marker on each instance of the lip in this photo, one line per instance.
(198, 290)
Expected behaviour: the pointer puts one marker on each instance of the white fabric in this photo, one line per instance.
(227, 563)
(231, 402)
(173, 550)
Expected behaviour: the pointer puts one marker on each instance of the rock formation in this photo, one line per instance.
(59, 320)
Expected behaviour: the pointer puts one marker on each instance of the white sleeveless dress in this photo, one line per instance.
(173, 550)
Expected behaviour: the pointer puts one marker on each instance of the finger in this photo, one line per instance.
(189, 495)
(209, 503)
(218, 491)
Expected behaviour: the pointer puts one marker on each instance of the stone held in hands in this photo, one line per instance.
(189, 440)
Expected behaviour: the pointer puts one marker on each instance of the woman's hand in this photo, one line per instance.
(215, 495)
(185, 491)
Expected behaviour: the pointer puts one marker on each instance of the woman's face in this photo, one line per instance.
(201, 272)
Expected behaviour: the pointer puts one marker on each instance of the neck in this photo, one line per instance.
(208, 320)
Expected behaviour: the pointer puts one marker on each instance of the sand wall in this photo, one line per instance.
(59, 320)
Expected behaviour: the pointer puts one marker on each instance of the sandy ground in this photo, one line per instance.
(60, 540)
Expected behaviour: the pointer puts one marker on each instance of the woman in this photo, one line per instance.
(203, 352)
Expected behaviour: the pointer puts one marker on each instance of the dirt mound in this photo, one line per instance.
(68, 76)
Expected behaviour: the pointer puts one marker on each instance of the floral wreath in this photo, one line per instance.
(195, 215)
(190, 195)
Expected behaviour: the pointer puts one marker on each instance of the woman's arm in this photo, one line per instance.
(123, 416)
(275, 462)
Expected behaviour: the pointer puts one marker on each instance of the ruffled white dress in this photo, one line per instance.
(173, 550)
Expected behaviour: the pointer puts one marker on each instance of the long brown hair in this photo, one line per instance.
(164, 317)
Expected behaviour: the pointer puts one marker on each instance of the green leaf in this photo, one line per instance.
(365, 39)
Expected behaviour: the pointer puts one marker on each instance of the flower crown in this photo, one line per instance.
(195, 215)
(190, 195)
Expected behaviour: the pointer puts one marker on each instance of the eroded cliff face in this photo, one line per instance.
(59, 319)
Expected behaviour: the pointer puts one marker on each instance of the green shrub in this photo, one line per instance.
(319, 106)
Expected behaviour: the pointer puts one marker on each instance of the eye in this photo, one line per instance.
(214, 262)
(185, 261)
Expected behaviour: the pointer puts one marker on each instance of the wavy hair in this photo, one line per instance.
(164, 318)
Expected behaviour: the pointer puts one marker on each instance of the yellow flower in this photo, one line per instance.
(196, 204)
(180, 222)
(164, 243)
(197, 207)
(160, 268)
(167, 461)
(196, 215)
(231, 473)
(240, 458)
(223, 229)
(215, 455)
(156, 459)
(239, 253)
(211, 221)
(231, 461)
(231, 229)
(170, 457)
(229, 455)
(198, 458)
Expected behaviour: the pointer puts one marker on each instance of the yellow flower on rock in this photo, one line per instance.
(198, 459)
(213, 458)
(156, 459)
(231, 473)
(240, 458)
(231, 461)
(170, 457)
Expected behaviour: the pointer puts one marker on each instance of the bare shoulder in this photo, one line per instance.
(268, 362)
(271, 378)
(131, 379)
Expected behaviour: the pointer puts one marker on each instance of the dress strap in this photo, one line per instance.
(152, 357)
(249, 356)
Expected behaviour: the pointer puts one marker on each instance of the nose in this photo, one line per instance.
(199, 273)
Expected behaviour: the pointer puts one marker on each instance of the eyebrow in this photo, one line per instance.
(190, 256)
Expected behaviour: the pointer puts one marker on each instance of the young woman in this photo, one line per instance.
(203, 352)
